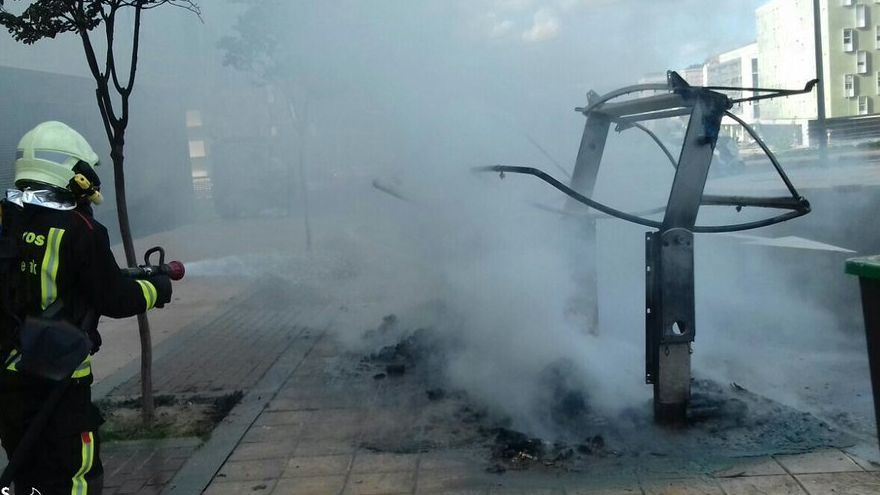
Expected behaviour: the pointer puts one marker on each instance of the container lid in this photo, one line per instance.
(867, 267)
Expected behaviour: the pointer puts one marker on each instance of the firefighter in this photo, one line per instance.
(64, 267)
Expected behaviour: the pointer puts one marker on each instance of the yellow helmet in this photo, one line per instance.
(54, 154)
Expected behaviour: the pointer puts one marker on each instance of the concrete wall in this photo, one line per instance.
(734, 68)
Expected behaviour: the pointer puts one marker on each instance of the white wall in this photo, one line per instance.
(787, 57)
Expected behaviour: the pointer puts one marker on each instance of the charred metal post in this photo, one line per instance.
(583, 180)
(589, 157)
(670, 325)
(670, 322)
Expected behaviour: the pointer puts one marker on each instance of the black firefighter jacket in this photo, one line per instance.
(65, 255)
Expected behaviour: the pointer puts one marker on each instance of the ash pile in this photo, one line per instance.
(725, 421)
(419, 350)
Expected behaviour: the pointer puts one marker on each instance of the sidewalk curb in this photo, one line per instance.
(200, 469)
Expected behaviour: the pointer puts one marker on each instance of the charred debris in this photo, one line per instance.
(724, 420)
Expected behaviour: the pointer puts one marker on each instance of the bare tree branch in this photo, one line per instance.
(110, 31)
(105, 103)
(135, 47)
(188, 5)
(105, 117)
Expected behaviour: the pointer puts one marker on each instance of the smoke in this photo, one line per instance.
(415, 98)
(781, 317)
(411, 96)
(492, 277)
(427, 90)
(470, 257)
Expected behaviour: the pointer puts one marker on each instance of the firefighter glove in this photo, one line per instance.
(163, 289)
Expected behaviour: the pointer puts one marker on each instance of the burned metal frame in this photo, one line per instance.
(670, 325)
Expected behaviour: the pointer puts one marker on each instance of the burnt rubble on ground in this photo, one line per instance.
(739, 421)
(420, 347)
(724, 421)
(514, 450)
(567, 413)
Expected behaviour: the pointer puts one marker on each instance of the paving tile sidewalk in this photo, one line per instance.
(223, 353)
(231, 349)
(318, 435)
(144, 466)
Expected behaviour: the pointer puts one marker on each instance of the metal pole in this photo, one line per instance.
(304, 187)
(583, 180)
(670, 323)
(821, 135)
(302, 129)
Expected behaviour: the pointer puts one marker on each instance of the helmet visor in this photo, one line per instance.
(56, 157)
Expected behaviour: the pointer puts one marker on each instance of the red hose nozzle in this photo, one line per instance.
(175, 270)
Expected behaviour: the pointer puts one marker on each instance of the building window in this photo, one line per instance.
(862, 62)
(849, 40)
(197, 149)
(861, 16)
(849, 85)
(877, 36)
(194, 118)
(878, 83)
(863, 105)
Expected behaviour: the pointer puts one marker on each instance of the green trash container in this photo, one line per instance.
(868, 271)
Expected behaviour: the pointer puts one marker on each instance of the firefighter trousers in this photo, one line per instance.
(66, 458)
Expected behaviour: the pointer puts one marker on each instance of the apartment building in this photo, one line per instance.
(851, 49)
(850, 32)
(736, 68)
(786, 56)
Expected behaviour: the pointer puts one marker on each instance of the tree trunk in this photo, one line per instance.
(304, 187)
(302, 129)
(118, 157)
